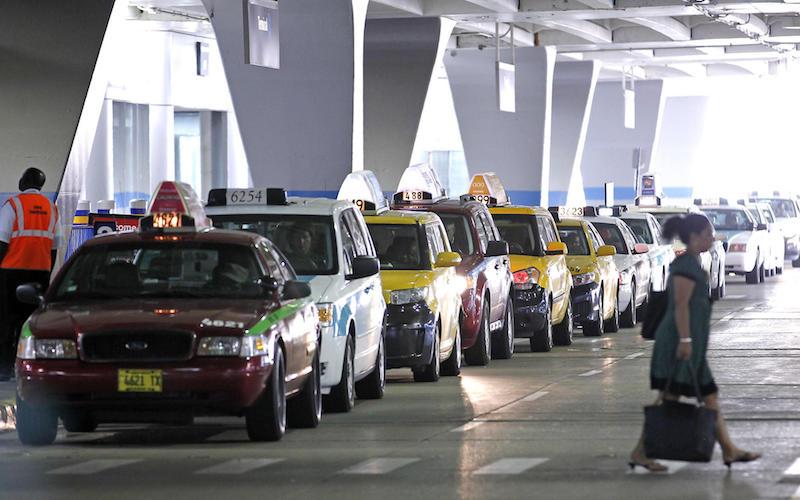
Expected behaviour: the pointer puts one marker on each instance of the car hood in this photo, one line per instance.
(322, 287)
(581, 264)
(214, 316)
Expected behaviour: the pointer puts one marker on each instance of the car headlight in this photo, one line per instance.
(325, 311)
(33, 348)
(526, 278)
(256, 345)
(582, 279)
(408, 296)
(737, 247)
(219, 346)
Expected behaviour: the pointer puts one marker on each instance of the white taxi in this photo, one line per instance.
(648, 231)
(763, 214)
(329, 246)
(787, 215)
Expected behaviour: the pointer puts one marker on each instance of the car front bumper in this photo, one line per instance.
(585, 303)
(530, 311)
(410, 330)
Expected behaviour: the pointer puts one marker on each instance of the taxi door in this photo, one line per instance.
(444, 285)
(497, 269)
(608, 271)
(557, 271)
(643, 271)
(365, 297)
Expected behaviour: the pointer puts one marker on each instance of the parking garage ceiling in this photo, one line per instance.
(643, 38)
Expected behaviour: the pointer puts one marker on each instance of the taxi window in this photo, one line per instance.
(399, 246)
(655, 229)
(767, 215)
(612, 235)
(521, 233)
(782, 208)
(161, 270)
(348, 247)
(575, 239)
(484, 235)
(459, 233)
(362, 243)
(306, 240)
(630, 238)
(595, 238)
(279, 267)
(729, 219)
(641, 230)
(434, 241)
(550, 234)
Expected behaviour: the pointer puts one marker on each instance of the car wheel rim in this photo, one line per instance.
(510, 329)
(458, 349)
(282, 398)
(487, 340)
(350, 382)
(381, 365)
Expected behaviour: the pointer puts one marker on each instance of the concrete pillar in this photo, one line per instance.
(302, 124)
(515, 145)
(573, 92)
(399, 59)
(610, 147)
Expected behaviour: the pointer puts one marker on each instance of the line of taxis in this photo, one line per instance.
(273, 308)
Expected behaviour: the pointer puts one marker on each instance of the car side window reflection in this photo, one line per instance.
(348, 246)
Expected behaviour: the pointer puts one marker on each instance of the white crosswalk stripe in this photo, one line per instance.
(796, 495)
(379, 466)
(510, 466)
(535, 396)
(94, 466)
(590, 373)
(634, 355)
(239, 466)
(468, 426)
(793, 472)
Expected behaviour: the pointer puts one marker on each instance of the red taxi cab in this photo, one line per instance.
(170, 322)
(487, 325)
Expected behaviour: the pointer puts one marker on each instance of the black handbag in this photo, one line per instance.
(680, 431)
(656, 310)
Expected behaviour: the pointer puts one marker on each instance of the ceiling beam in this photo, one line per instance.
(667, 26)
(414, 7)
(497, 5)
(521, 37)
(598, 4)
(585, 30)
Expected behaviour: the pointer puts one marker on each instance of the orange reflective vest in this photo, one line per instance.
(33, 233)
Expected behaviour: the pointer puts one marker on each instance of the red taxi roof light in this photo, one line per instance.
(175, 206)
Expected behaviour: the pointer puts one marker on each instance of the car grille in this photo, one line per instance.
(161, 345)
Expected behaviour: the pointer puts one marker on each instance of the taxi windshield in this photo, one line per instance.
(575, 239)
(161, 270)
(783, 208)
(398, 246)
(663, 217)
(730, 219)
(612, 236)
(306, 240)
(521, 233)
(458, 232)
(641, 230)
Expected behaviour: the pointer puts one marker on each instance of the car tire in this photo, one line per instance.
(611, 325)
(503, 340)
(542, 340)
(796, 262)
(374, 385)
(79, 421)
(452, 365)
(562, 332)
(762, 274)
(304, 411)
(642, 311)
(628, 317)
(342, 397)
(779, 270)
(431, 371)
(595, 328)
(35, 426)
(481, 353)
(266, 419)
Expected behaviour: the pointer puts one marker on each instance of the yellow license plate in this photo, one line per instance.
(140, 380)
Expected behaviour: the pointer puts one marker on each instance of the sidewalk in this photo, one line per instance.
(7, 411)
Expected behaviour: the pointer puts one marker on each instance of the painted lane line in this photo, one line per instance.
(510, 466)
(94, 466)
(239, 465)
(468, 426)
(634, 355)
(379, 466)
(590, 373)
(535, 396)
(793, 472)
(796, 495)
(672, 467)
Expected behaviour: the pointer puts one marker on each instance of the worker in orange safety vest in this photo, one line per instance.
(29, 239)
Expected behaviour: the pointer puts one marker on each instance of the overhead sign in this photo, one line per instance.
(647, 185)
(261, 35)
(506, 87)
(106, 224)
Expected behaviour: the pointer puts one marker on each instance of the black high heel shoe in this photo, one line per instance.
(742, 457)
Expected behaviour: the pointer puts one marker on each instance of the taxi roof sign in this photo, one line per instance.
(488, 189)
(175, 205)
(363, 189)
(419, 183)
(221, 197)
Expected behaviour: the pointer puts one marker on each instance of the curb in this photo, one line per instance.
(8, 416)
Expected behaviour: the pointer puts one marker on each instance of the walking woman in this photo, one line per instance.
(683, 336)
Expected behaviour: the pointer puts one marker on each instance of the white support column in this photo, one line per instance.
(399, 60)
(573, 92)
(302, 124)
(515, 145)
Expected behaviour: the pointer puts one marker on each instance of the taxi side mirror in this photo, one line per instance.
(761, 227)
(496, 249)
(640, 248)
(269, 285)
(364, 266)
(447, 259)
(294, 289)
(30, 293)
(607, 251)
(556, 248)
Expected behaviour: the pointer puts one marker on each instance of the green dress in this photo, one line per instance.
(664, 360)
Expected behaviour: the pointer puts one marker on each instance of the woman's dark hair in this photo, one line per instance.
(684, 226)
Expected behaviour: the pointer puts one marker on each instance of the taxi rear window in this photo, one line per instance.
(782, 208)
(641, 230)
(730, 219)
(161, 270)
(399, 246)
(575, 239)
(520, 232)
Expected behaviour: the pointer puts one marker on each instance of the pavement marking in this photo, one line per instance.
(735, 297)
(510, 466)
(535, 396)
(672, 467)
(590, 373)
(468, 426)
(379, 466)
(229, 435)
(634, 355)
(239, 465)
(94, 466)
(796, 495)
(793, 472)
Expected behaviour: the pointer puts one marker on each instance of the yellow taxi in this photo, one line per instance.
(595, 279)
(542, 282)
(420, 284)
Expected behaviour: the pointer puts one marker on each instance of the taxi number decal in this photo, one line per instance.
(483, 198)
(246, 196)
(413, 196)
(570, 211)
(218, 323)
(361, 204)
